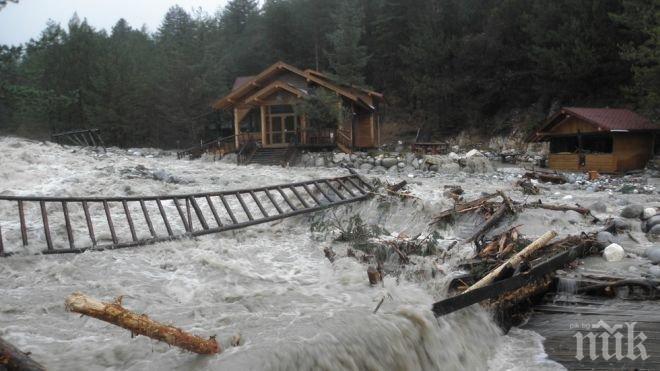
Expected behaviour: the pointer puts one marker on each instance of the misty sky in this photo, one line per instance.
(25, 20)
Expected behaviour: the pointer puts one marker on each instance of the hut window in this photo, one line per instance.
(563, 145)
(597, 143)
(281, 108)
(252, 122)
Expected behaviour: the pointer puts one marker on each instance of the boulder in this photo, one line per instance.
(388, 162)
(653, 254)
(478, 164)
(614, 253)
(648, 213)
(401, 165)
(652, 222)
(449, 167)
(474, 152)
(632, 211)
(604, 238)
(654, 271)
(339, 157)
(598, 207)
(654, 233)
(453, 156)
(408, 169)
(410, 157)
(379, 169)
(366, 166)
(620, 224)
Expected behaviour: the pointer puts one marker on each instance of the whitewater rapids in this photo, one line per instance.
(269, 285)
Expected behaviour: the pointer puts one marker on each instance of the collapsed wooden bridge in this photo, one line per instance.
(112, 222)
(83, 138)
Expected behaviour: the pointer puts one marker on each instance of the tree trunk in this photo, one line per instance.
(12, 359)
(139, 324)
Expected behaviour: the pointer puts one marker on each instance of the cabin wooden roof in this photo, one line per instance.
(245, 86)
(603, 119)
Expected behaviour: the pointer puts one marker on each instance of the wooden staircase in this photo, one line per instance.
(269, 156)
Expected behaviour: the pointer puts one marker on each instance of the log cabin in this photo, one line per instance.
(606, 140)
(266, 111)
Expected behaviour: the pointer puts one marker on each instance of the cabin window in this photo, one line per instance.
(252, 122)
(563, 145)
(281, 108)
(597, 143)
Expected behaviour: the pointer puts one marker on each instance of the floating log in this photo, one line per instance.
(374, 275)
(394, 188)
(490, 223)
(11, 358)
(463, 207)
(139, 324)
(546, 177)
(515, 260)
(539, 205)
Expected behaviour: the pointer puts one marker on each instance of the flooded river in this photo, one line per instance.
(269, 285)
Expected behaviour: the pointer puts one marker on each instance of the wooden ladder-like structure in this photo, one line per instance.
(117, 222)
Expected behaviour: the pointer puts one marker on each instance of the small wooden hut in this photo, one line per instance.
(265, 110)
(606, 140)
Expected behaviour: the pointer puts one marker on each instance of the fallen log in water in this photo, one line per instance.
(463, 207)
(545, 176)
(139, 324)
(515, 260)
(535, 274)
(11, 358)
(490, 223)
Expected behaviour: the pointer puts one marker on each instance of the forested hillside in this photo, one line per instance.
(446, 64)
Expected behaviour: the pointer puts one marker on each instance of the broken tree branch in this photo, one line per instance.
(577, 209)
(515, 260)
(11, 358)
(490, 223)
(139, 324)
(463, 207)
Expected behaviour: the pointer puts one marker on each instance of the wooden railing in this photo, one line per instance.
(314, 136)
(220, 146)
(344, 139)
(246, 152)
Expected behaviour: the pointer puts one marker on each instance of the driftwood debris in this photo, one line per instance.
(537, 273)
(463, 207)
(515, 260)
(374, 275)
(11, 358)
(397, 189)
(528, 187)
(139, 324)
(545, 176)
(501, 245)
(505, 208)
(577, 208)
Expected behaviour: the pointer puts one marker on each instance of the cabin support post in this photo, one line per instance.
(237, 129)
(263, 125)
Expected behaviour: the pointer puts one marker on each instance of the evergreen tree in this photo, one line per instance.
(642, 20)
(348, 57)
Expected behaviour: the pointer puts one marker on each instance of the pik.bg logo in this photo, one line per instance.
(617, 342)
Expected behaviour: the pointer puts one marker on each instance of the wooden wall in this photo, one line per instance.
(632, 150)
(572, 125)
(364, 134)
(569, 162)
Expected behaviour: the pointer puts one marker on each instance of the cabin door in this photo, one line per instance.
(282, 126)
